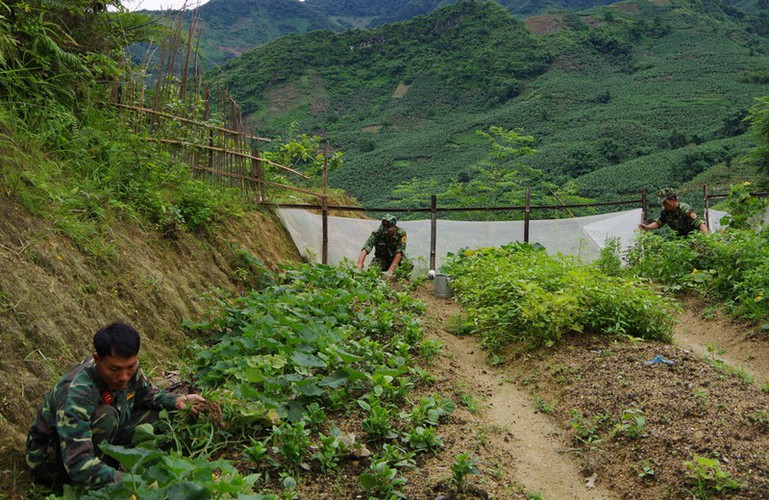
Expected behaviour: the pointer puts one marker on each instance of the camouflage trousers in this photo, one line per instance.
(44, 454)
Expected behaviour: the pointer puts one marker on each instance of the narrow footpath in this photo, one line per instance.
(542, 456)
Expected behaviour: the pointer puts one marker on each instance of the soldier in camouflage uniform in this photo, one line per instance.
(102, 399)
(678, 216)
(389, 242)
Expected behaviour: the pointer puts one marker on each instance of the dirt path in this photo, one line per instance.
(542, 464)
(542, 459)
(724, 338)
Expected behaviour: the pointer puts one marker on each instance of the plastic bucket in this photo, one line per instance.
(442, 286)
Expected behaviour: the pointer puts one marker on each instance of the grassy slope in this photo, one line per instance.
(586, 98)
(54, 296)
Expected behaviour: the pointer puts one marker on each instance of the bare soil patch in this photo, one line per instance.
(592, 411)
(629, 7)
(544, 25)
(534, 449)
(400, 90)
(741, 345)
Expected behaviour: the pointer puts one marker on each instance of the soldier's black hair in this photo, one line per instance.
(118, 339)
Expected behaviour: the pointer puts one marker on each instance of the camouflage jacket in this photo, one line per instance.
(680, 219)
(386, 246)
(65, 415)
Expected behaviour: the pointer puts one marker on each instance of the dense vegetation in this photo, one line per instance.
(279, 368)
(69, 158)
(518, 294)
(729, 268)
(613, 89)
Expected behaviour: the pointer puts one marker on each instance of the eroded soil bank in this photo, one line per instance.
(53, 298)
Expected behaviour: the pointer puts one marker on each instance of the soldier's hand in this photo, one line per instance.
(193, 401)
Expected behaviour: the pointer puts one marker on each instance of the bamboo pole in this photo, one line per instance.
(228, 151)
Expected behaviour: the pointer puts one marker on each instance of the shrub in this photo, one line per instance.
(519, 293)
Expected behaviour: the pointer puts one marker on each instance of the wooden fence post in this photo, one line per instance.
(707, 208)
(324, 208)
(644, 207)
(256, 179)
(433, 228)
(527, 216)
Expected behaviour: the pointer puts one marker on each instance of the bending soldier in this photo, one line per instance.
(389, 243)
(679, 216)
(102, 399)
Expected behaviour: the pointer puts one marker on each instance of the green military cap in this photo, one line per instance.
(390, 219)
(666, 194)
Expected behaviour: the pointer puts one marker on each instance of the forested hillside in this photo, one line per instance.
(234, 26)
(619, 98)
(231, 27)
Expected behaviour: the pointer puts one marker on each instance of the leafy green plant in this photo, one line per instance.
(587, 428)
(518, 293)
(728, 268)
(609, 259)
(397, 456)
(430, 410)
(382, 481)
(378, 421)
(708, 478)
(430, 348)
(331, 450)
(469, 402)
(632, 423)
(292, 443)
(464, 464)
(744, 211)
(647, 470)
(151, 472)
(423, 439)
(259, 453)
(543, 405)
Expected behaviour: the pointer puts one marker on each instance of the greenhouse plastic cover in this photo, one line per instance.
(582, 237)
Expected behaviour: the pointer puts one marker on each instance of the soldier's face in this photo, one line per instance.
(670, 204)
(116, 371)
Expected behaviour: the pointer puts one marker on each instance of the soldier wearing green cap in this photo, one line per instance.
(389, 242)
(103, 399)
(678, 216)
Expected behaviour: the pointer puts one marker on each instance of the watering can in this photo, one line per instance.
(442, 286)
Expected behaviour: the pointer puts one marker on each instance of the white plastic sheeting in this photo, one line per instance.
(579, 236)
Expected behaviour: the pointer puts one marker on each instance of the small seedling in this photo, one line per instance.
(464, 465)
(632, 424)
(382, 481)
(543, 405)
(709, 478)
(424, 439)
(647, 471)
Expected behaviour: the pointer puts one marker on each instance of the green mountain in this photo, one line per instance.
(232, 27)
(620, 98)
(375, 13)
